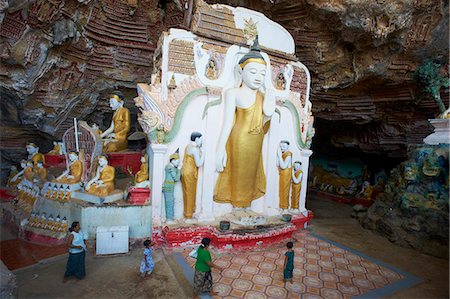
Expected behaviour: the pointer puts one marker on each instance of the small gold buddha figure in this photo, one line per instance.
(56, 149)
(57, 225)
(284, 159)
(42, 221)
(102, 184)
(41, 172)
(281, 81)
(142, 174)
(60, 196)
(50, 223)
(49, 190)
(74, 173)
(15, 180)
(297, 176)
(211, 70)
(160, 134)
(115, 137)
(173, 83)
(66, 194)
(55, 192)
(63, 224)
(34, 155)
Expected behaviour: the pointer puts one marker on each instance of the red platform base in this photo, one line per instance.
(188, 236)
(139, 196)
(36, 238)
(126, 160)
(55, 161)
(6, 195)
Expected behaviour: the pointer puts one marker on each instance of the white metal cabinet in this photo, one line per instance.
(112, 239)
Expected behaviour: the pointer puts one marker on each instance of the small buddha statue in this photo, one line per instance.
(281, 81)
(17, 178)
(41, 172)
(115, 137)
(57, 225)
(49, 190)
(34, 155)
(284, 159)
(160, 134)
(173, 83)
(42, 221)
(142, 174)
(56, 149)
(50, 223)
(60, 196)
(102, 184)
(297, 176)
(63, 227)
(211, 70)
(74, 173)
(66, 197)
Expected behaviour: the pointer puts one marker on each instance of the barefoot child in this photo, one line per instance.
(288, 262)
(147, 262)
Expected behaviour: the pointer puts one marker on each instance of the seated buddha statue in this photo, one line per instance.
(115, 137)
(141, 177)
(57, 225)
(63, 226)
(74, 173)
(41, 172)
(56, 149)
(34, 155)
(102, 184)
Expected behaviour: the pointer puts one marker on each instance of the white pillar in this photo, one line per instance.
(305, 154)
(156, 154)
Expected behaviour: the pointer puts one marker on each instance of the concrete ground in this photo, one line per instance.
(117, 277)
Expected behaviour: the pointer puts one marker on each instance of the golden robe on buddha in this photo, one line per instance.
(75, 170)
(142, 174)
(28, 174)
(243, 179)
(42, 173)
(107, 176)
(121, 121)
(296, 188)
(189, 177)
(56, 150)
(36, 158)
(285, 182)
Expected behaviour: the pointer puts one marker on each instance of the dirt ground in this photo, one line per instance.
(117, 277)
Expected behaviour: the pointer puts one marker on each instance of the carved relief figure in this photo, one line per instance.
(211, 70)
(115, 137)
(102, 184)
(284, 160)
(281, 81)
(172, 175)
(75, 171)
(34, 155)
(297, 176)
(239, 157)
(193, 159)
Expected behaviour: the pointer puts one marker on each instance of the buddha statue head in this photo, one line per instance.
(73, 156)
(32, 148)
(297, 165)
(253, 67)
(197, 138)
(30, 164)
(144, 159)
(103, 161)
(23, 164)
(116, 100)
(40, 164)
(284, 145)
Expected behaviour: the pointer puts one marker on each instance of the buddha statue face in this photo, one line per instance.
(73, 157)
(30, 164)
(198, 141)
(253, 75)
(175, 162)
(31, 149)
(114, 104)
(297, 166)
(143, 159)
(40, 165)
(23, 164)
(102, 161)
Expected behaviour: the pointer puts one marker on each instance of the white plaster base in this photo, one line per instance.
(115, 196)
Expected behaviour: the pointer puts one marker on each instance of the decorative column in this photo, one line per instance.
(304, 154)
(156, 161)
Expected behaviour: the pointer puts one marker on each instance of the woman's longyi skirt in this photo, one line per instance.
(202, 282)
(75, 265)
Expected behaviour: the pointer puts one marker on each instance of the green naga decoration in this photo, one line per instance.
(430, 78)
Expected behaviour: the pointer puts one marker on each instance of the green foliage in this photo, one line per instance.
(430, 78)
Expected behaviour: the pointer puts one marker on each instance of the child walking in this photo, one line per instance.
(147, 264)
(288, 262)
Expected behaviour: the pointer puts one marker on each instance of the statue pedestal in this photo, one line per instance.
(114, 196)
(441, 132)
(55, 161)
(156, 153)
(139, 196)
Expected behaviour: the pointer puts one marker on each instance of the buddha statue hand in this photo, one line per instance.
(221, 161)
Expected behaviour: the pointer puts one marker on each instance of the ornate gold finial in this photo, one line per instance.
(250, 30)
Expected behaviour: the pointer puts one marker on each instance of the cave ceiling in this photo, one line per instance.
(59, 58)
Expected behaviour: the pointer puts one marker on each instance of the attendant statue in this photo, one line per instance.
(102, 184)
(74, 173)
(246, 120)
(172, 175)
(17, 178)
(142, 175)
(284, 160)
(34, 155)
(56, 149)
(115, 137)
(297, 176)
(193, 159)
